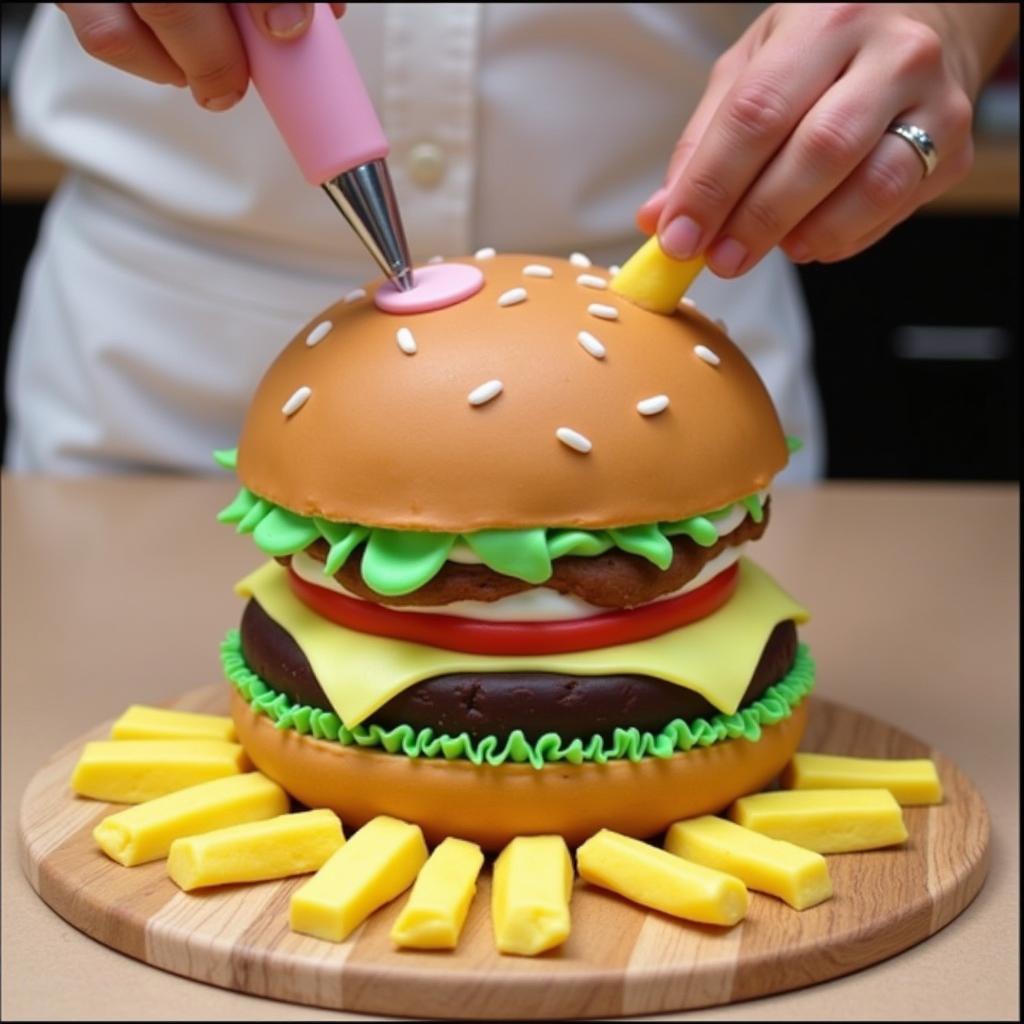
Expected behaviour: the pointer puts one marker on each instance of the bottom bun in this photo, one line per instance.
(491, 805)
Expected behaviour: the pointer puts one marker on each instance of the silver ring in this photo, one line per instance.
(920, 140)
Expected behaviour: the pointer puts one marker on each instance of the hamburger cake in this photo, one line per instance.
(507, 590)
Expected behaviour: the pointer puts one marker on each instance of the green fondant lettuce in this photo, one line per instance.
(399, 561)
(775, 704)
(227, 458)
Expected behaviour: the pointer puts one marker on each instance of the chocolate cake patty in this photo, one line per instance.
(615, 579)
(485, 704)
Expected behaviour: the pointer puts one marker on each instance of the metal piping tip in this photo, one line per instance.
(403, 280)
(365, 197)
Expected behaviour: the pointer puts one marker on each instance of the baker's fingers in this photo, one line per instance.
(889, 179)
(771, 95)
(837, 133)
(203, 41)
(282, 22)
(114, 34)
(723, 75)
(953, 171)
(724, 72)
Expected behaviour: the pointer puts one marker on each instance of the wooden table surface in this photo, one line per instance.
(118, 591)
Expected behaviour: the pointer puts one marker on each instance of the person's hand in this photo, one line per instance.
(184, 44)
(788, 145)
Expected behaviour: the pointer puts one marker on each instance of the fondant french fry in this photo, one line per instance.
(655, 878)
(654, 280)
(793, 874)
(140, 722)
(377, 864)
(825, 820)
(911, 782)
(530, 895)
(436, 910)
(291, 844)
(132, 771)
(145, 832)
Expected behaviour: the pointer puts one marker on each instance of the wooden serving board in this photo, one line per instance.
(619, 960)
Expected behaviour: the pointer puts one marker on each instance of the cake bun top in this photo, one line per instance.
(542, 400)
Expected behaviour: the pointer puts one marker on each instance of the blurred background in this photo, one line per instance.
(917, 340)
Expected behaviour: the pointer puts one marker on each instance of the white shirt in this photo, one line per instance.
(185, 249)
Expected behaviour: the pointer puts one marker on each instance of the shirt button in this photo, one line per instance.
(426, 164)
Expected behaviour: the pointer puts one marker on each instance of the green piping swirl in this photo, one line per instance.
(775, 704)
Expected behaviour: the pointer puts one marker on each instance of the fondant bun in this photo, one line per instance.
(491, 805)
(386, 434)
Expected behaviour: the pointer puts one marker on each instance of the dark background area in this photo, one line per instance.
(917, 340)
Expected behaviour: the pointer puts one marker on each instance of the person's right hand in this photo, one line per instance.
(184, 44)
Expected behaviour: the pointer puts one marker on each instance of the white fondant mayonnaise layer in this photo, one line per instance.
(536, 605)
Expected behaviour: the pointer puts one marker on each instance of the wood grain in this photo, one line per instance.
(620, 959)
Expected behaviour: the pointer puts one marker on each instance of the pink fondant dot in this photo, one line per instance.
(434, 287)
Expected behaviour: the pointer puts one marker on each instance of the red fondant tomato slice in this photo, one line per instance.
(476, 636)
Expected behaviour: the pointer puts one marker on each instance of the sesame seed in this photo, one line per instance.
(577, 259)
(604, 312)
(653, 405)
(591, 281)
(486, 253)
(435, 259)
(688, 302)
(485, 392)
(614, 269)
(355, 295)
(297, 401)
(703, 352)
(591, 344)
(319, 333)
(537, 270)
(512, 296)
(573, 439)
(406, 342)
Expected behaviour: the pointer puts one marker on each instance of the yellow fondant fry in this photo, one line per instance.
(792, 873)
(653, 280)
(377, 864)
(132, 771)
(292, 844)
(145, 723)
(910, 781)
(825, 820)
(655, 878)
(145, 832)
(439, 902)
(530, 894)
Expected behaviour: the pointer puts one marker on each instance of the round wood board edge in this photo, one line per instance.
(620, 959)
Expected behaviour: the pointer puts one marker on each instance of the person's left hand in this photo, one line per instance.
(788, 145)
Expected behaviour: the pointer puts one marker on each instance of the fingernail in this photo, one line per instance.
(727, 256)
(681, 238)
(798, 252)
(225, 102)
(286, 20)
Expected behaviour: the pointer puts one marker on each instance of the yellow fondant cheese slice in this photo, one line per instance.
(359, 673)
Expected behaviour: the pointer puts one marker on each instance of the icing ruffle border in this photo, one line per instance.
(775, 704)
